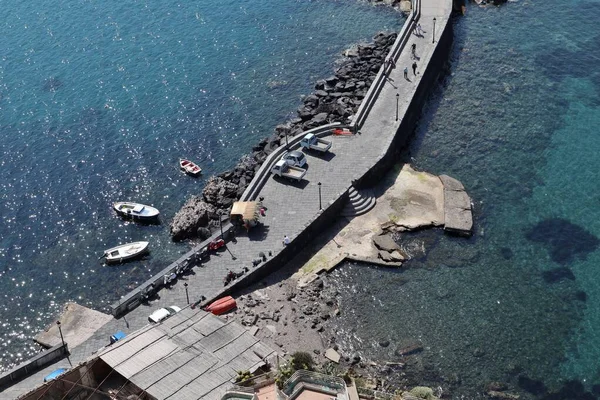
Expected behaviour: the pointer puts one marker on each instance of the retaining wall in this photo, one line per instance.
(304, 236)
(192, 258)
(33, 365)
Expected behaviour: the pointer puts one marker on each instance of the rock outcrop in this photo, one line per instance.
(194, 215)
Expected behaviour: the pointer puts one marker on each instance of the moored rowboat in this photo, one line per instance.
(189, 167)
(222, 305)
(135, 210)
(125, 252)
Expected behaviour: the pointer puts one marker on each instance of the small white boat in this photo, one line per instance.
(125, 252)
(189, 167)
(135, 210)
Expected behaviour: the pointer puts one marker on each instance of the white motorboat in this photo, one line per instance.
(125, 252)
(135, 210)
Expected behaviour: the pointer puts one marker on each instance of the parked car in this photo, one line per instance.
(162, 314)
(282, 168)
(294, 158)
(311, 142)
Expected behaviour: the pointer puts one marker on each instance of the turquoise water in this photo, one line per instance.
(98, 100)
(516, 120)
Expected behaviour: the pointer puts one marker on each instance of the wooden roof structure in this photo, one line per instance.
(191, 355)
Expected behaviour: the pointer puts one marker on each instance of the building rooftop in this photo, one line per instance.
(191, 355)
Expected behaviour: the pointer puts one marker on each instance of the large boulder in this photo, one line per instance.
(385, 243)
(219, 192)
(194, 214)
(320, 118)
(305, 113)
(247, 166)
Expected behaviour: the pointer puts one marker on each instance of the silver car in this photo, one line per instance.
(162, 314)
(294, 158)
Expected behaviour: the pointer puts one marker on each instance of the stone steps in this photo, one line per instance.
(359, 202)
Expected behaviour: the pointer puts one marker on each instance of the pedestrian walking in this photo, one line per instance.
(419, 30)
(415, 68)
(286, 240)
(414, 50)
(406, 73)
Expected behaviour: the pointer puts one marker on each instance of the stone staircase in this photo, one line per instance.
(359, 202)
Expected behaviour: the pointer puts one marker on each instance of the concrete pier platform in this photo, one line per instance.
(414, 200)
(457, 207)
(77, 323)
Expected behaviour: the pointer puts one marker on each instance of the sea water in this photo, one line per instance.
(516, 120)
(97, 103)
(99, 100)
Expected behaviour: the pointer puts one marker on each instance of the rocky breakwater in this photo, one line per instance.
(335, 99)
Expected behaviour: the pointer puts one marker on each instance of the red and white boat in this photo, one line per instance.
(189, 167)
(221, 306)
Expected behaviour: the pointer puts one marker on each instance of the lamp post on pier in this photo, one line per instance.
(433, 40)
(62, 339)
(187, 296)
(320, 204)
(397, 100)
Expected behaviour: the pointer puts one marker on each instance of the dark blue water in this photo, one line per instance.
(99, 100)
(516, 120)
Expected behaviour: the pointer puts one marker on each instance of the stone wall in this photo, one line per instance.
(33, 365)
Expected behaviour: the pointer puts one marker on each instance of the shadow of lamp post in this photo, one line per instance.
(320, 203)
(62, 339)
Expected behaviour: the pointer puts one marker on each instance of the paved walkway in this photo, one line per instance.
(289, 206)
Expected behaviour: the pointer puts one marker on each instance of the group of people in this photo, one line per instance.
(391, 62)
(413, 52)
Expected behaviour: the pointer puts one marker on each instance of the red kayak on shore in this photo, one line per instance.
(221, 306)
(342, 131)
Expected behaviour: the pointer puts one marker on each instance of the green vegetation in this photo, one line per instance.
(423, 392)
(298, 360)
(302, 360)
(244, 378)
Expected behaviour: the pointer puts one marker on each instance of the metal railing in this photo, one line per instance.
(298, 380)
(371, 97)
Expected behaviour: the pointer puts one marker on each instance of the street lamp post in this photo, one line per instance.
(62, 339)
(320, 203)
(187, 296)
(287, 146)
(433, 30)
(397, 101)
(221, 225)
